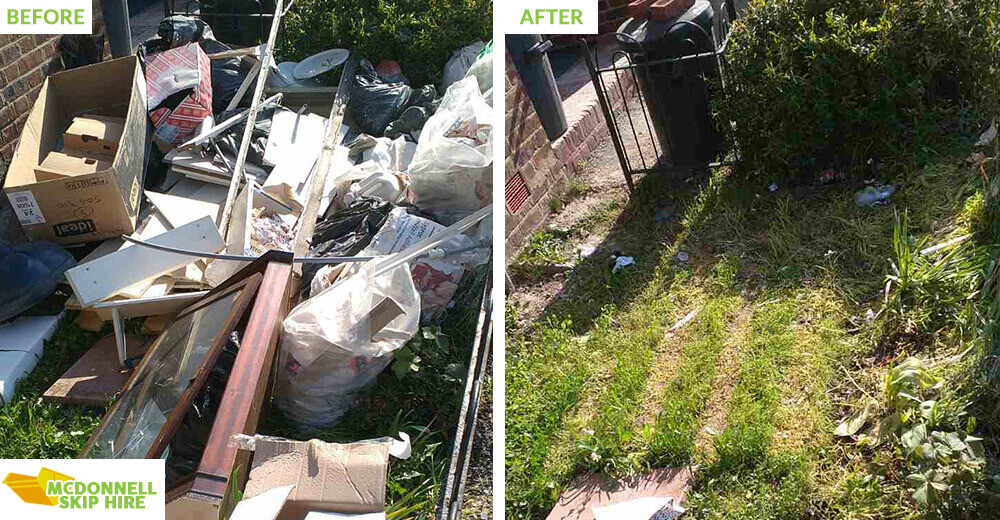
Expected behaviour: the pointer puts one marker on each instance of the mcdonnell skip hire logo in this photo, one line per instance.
(51, 488)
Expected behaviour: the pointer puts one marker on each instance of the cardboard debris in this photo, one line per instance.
(344, 478)
(95, 134)
(89, 320)
(154, 325)
(591, 491)
(70, 163)
(90, 206)
(23, 340)
(264, 506)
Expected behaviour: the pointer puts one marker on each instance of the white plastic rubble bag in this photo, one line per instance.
(451, 174)
(329, 352)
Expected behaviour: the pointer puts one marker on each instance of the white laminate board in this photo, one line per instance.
(106, 276)
(168, 304)
(184, 210)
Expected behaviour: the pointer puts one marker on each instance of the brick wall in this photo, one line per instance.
(532, 172)
(25, 61)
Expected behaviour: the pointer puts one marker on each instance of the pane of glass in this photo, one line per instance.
(164, 376)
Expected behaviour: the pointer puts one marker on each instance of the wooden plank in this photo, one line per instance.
(244, 395)
(255, 105)
(237, 241)
(97, 376)
(139, 307)
(106, 276)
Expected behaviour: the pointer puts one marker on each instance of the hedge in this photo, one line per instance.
(419, 34)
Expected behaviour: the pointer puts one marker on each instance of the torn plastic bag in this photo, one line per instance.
(375, 103)
(346, 233)
(460, 62)
(391, 155)
(423, 103)
(436, 279)
(180, 30)
(450, 172)
(482, 70)
(229, 142)
(329, 350)
(29, 273)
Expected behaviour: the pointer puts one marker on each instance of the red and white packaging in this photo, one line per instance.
(173, 71)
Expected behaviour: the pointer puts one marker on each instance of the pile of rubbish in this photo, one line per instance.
(143, 190)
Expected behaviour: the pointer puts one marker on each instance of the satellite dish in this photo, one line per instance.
(319, 63)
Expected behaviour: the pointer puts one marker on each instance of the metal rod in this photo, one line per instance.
(255, 106)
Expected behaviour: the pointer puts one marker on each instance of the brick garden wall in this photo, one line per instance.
(532, 172)
(536, 169)
(25, 62)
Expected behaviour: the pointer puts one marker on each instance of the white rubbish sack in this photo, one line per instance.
(460, 62)
(329, 352)
(451, 174)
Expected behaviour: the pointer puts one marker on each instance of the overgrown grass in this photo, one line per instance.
(786, 281)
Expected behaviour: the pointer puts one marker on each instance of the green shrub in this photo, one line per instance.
(419, 34)
(829, 83)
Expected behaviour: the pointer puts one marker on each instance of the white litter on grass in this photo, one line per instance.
(989, 135)
(621, 262)
(585, 250)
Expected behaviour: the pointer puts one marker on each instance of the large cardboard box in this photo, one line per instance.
(86, 207)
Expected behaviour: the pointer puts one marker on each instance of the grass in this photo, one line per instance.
(424, 404)
(783, 349)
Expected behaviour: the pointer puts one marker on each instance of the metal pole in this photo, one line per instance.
(115, 13)
(528, 52)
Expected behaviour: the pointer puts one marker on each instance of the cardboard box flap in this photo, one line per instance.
(97, 134)
(348, 478)
(69, 163)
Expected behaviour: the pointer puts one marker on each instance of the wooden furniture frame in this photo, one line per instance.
(205, 494)
(248, 288)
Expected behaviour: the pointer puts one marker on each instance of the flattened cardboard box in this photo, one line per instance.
(88, 207)
(345, 478)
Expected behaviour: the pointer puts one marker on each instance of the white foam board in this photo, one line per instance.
(21, 345)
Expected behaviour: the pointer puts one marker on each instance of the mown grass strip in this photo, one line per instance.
(749, 479)
(685, 396)
(544, 381)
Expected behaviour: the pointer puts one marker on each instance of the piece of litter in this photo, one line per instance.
(773, 187)
(683, 256)
(621, 262)
(711, 431)
(685, 319)
(989, 135)
(585, 250)
(264, 506)
(659, 508)
(869, 316)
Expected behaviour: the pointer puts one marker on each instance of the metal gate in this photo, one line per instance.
(652, 142)
(236, 22)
